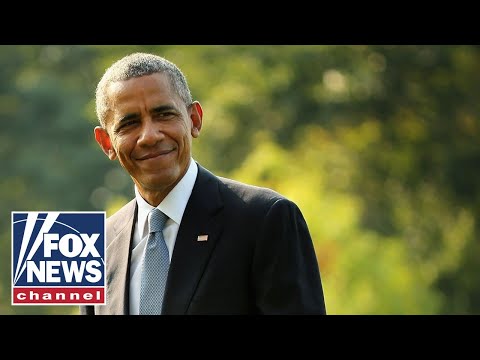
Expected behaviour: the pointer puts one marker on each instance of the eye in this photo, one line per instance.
(165, 115)
(125, 125)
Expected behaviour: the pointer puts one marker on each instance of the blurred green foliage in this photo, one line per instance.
(378, 145)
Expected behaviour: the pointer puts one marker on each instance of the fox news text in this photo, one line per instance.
(58, 258)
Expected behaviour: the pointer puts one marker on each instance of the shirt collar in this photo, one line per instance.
(174, 203)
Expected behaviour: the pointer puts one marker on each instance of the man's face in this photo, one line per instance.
(150, 130)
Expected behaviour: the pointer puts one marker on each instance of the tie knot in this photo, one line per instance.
(157, 220)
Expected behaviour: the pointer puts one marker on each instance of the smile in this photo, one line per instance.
(155, 154)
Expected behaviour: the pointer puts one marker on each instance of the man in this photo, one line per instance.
(231, 248)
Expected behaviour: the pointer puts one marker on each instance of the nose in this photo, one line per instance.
(150, 133)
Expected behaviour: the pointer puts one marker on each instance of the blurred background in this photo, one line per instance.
(378, 145)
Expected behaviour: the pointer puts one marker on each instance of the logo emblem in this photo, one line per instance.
(58, 258)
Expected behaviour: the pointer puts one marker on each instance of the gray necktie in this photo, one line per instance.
(155, 267)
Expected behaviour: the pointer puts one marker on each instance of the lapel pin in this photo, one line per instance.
(202, 237)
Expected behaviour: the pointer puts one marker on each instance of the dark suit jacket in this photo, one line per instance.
(258, 259)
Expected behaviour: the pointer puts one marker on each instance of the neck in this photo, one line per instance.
(154, 196)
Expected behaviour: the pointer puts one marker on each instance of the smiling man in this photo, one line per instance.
(191, 242)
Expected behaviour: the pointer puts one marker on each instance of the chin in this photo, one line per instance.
(160, 181)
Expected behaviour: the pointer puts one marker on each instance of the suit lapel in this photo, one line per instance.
(118, 258)
(190, 256)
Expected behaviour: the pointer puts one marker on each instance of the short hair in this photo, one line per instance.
(136, 65)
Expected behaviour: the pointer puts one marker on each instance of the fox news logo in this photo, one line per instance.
(58, 258)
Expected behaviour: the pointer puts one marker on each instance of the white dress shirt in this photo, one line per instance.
(173, 206)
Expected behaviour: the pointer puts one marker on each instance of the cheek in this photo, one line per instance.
(187, 142)
(121, 144)
(187, 133)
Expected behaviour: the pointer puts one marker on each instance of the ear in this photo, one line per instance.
(196, 116)
(103, 140)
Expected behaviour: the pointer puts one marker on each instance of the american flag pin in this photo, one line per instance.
(202, 237)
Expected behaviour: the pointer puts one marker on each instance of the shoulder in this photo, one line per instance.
(242, 194)
(125, 212)
(257, 201)
(259, 205)
(250, 192)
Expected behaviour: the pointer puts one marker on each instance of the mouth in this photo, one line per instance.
(155, 154)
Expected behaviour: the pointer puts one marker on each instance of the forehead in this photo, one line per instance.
(140, 91)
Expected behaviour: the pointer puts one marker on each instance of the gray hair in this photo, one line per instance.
(136, 65)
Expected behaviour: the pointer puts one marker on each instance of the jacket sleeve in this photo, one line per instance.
(285, 270)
